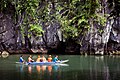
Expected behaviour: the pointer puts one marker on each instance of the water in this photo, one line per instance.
(78, 68)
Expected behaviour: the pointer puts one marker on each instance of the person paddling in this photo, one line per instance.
(49, 58)
(21, 59)
(43, 59)
(30, 59)
(38, 59)
(55, 59)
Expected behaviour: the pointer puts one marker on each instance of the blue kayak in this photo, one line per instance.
(44, 63)
(47, 63)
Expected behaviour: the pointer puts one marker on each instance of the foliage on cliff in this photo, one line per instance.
(75, 17)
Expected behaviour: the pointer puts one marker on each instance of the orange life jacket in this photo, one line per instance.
(49, 59)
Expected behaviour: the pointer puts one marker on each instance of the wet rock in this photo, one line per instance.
(5, 54)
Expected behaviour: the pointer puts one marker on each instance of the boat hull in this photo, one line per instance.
(48, 63)
(45, 63)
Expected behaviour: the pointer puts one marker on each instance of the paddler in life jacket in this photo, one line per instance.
(56, 59)
(38, 59)
(21, 59)
(30, 59)
(49, 58)
(43, 59)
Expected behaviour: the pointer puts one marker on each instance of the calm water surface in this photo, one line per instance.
(78, 68)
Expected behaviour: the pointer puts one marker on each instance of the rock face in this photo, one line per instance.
(5, 54)
(6, 30)
(114, 39)
(95, 42)
(7, 34)
(105, 42)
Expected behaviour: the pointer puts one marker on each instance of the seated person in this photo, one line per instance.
(21, 59)
(43, 59)
(55, 59)
(49, 58)
(30, 59)
(38, 59)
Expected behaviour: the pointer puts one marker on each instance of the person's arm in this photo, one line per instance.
(57, 59)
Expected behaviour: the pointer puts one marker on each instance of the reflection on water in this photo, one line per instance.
(30, 69)
(45, 71)
(80, 68)
(49, 68)
(39, 68)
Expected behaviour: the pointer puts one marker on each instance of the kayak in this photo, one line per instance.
(45, 63)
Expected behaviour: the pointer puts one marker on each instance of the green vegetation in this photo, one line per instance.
(76, 18)
(36, 29)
